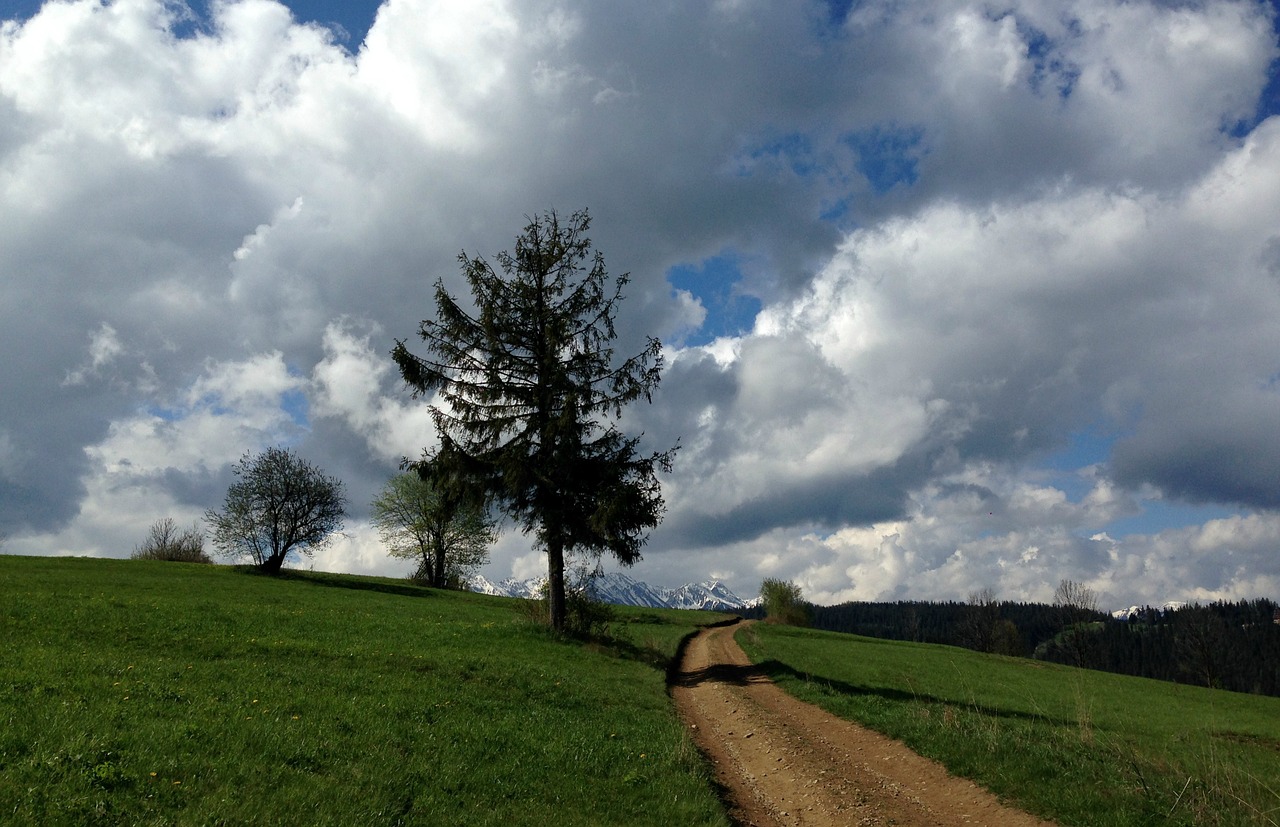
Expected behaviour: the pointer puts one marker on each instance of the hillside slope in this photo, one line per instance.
(144, 692)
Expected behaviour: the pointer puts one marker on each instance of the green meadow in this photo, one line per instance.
(137, 692)
(1075, 746)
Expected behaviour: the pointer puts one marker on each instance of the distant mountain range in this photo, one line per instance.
(621, 590)
(712, 595)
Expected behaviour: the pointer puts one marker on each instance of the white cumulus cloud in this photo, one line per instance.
(1017, 270)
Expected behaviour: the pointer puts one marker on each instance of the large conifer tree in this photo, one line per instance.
(529, 395)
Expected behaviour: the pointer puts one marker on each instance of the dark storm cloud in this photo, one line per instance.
(816, 504)
(1230, 456)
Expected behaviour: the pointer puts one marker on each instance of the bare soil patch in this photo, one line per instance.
(780, 761)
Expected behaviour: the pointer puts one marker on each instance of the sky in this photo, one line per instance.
(953, 296)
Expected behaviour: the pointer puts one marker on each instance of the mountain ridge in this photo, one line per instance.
(621, 590)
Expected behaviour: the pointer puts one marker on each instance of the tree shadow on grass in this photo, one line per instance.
(347, 581)
(599, 641)
(626, 650)
(775, 670)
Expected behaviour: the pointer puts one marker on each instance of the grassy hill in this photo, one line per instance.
(136, 692)
(1076, 746)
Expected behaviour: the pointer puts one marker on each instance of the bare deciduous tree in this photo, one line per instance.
(1079, 605)
(1072, 594)
(984, 630)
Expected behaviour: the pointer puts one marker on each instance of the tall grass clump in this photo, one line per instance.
(1075, 746)
(137, 692)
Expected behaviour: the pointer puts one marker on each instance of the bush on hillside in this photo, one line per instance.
(784, 603)
(166, 542)
(586, 615)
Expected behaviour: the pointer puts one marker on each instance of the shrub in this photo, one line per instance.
(784, 603)
(586, 615)
(166, 542)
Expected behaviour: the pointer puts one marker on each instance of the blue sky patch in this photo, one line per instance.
(1092, 446)
(836, 211)
(354, 16)
(19, 9)
(1085, 447)
(837, 11)
(717, 283)
(1161, 515)
(165, 413)
(295, 404)
(888, 155)
(793, 152)
(1050, 74)
(1268, 103)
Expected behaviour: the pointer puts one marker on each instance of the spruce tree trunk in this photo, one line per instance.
(555, 584)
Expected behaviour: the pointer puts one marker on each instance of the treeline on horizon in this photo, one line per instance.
(1232, 646)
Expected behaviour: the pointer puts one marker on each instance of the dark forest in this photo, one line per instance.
(1232, 646)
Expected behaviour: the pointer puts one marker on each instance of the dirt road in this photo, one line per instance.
(784, 762)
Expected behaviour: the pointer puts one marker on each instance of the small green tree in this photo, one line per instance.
(166, 542)
(784, 603)
(531, 396)
(418, 520)
(279, 504)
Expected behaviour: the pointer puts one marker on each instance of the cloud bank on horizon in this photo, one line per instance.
(953, 298)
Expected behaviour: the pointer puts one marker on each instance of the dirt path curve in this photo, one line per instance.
(784, 762)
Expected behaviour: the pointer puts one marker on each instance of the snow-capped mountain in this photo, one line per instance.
(619, 589)
(711, 595)
(506, 588)
(1170, 606)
